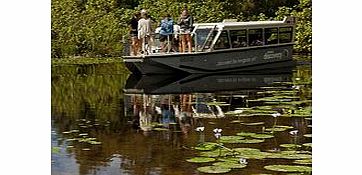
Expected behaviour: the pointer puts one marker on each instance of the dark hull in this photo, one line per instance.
(165, 84)
(226, 61)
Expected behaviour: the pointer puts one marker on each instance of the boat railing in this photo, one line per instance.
(152, 46)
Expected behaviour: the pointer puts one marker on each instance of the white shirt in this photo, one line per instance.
(144, 28)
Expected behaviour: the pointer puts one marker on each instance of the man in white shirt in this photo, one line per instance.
(144, 31)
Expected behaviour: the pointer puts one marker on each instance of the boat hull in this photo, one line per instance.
(226, 61)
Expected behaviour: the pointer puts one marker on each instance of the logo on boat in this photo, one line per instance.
(272, 55)
(236, 61)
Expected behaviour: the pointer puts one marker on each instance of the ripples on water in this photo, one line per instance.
(98, 128)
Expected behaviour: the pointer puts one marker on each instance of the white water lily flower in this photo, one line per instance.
(238, 111)
(295, 132)
(217, 130)
(217, 135)
(198, 129)
(242, 161)
(276, 115)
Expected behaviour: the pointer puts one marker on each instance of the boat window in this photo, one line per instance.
(271, 36)
(238, 38)
(201, 35)
(223, 41)
(255, 37)
(285, 34)
(210, 39)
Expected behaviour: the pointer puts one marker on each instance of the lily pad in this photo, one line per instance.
(228, 164)
(245, 134)
(250, 153)
(86, 149)
(304, 161)
(307, 144)
(275, 129)
(231, 139)
(207, 146)
(217, 153)
(286, 127)
(290, 146)
(284, 155)
(213, 169)
(236, 121)
(200, 160)
(262, 136)
(253, 124)
(229, 159)
(251, 141)
(307, 135)
(288, 168)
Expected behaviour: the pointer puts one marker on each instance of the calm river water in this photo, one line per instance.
(104, 124)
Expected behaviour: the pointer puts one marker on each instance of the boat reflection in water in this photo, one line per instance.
(178, 102)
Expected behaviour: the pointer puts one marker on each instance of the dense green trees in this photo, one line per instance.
(95, 28)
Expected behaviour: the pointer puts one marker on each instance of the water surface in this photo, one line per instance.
(98, 128)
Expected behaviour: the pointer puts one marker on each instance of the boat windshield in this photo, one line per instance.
(204, 37)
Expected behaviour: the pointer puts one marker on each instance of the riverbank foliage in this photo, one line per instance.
(96, 28)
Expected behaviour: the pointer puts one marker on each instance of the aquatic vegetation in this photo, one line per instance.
(262, 136)
(213, 169)
(217, 153)
(207, 146)
(229, 164)
(307, 135)
(286, 155)
(236, 121)
(86, 149)
(252, 141)
(288, 168)
(303, 161)
(250, 153)
(307, 144)
(231, 139)
(253, 124)
(245, 134)
(275, 129)
(200, 160)
(286, 127)
(290, 146)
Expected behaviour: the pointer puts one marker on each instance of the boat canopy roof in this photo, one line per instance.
(232, 24)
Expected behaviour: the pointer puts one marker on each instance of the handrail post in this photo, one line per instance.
(195, 34)
(168, 44)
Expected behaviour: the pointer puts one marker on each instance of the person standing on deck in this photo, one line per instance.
(134, 34)
(186, 23)
(166, 32)
(144, 31)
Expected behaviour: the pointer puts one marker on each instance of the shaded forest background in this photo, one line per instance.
(95, 28)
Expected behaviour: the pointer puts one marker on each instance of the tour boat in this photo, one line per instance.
(224, 47)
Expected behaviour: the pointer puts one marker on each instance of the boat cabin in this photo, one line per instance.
(235, 35)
